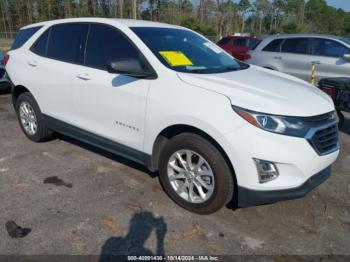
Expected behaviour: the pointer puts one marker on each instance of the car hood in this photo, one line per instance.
(265, 91)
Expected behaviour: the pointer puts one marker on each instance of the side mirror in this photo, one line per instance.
(130, 67)
(346, 57)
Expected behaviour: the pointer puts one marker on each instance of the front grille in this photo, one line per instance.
(325, 140)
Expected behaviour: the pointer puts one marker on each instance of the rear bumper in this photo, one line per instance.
(4, 81)
(248, 197)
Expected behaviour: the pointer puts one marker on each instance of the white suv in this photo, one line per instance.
(214, 128)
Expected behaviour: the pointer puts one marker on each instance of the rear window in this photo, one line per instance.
(23, 36)
(273, 46)
(240, 42)
(224, 41)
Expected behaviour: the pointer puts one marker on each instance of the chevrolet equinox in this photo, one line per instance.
(214, 128)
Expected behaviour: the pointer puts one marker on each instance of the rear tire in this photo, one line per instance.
(190, 159)
(31, 119)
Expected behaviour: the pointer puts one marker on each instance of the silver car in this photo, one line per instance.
(294, 54)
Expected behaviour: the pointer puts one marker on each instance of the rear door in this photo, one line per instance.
(269, 56)
(53, 60)
(329, 56)
(295, 57)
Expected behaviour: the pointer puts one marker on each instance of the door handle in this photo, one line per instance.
(83, 76)
(278, 57)
(33, 63)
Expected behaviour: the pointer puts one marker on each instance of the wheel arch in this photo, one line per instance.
(270, 67)
(17, 91)
(169, 132)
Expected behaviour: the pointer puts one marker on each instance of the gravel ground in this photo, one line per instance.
(77, 200)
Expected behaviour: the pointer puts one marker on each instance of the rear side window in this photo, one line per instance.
(41, 44)
(327, 47)
(296, 46)
(224, 41)
(23, 36)
(106, 44)
(65, 42)
(273, 46)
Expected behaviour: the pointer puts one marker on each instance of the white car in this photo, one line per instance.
(216, 129)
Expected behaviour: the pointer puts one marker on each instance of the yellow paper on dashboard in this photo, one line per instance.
(176, 58)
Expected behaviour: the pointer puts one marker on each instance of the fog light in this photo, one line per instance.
(267, 171)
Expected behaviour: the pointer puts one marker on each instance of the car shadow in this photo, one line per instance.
(107, 154)
(141, 226)
(5, 91)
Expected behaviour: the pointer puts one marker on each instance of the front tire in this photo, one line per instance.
(30, 118)
(195, 175)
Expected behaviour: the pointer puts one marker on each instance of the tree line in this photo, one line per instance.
(212, 18)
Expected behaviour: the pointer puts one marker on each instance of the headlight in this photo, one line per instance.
(286, 125)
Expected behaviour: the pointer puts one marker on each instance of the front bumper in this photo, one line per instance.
(295, 158)
(248, 197)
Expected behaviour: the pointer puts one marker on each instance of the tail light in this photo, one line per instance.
(331, 91)
(6, 59)
(244, 56)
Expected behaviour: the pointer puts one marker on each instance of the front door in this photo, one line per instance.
(329, 57)
(110, 105)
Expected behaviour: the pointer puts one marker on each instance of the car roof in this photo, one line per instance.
(115, 21)
(239, 36)
(301, 35)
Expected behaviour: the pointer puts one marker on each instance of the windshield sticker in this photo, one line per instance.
(213, 47)
(176, 58)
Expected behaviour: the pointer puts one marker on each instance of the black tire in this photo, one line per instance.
(224, 187)
(43, 133)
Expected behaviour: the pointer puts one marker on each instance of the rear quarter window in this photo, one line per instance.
(40, 45)
(23, 36)
(273, 46)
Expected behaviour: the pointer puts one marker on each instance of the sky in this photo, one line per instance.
(345, 4)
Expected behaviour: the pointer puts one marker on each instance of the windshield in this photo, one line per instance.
(345, 40)
(185, 51)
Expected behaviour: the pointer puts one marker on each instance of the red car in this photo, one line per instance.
(238, 46)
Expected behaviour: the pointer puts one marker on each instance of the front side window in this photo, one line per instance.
(185, 51)
(23, 36)
(274, 46)
(65, 42)
(296, 46)
(105, 44)
(327, 47)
